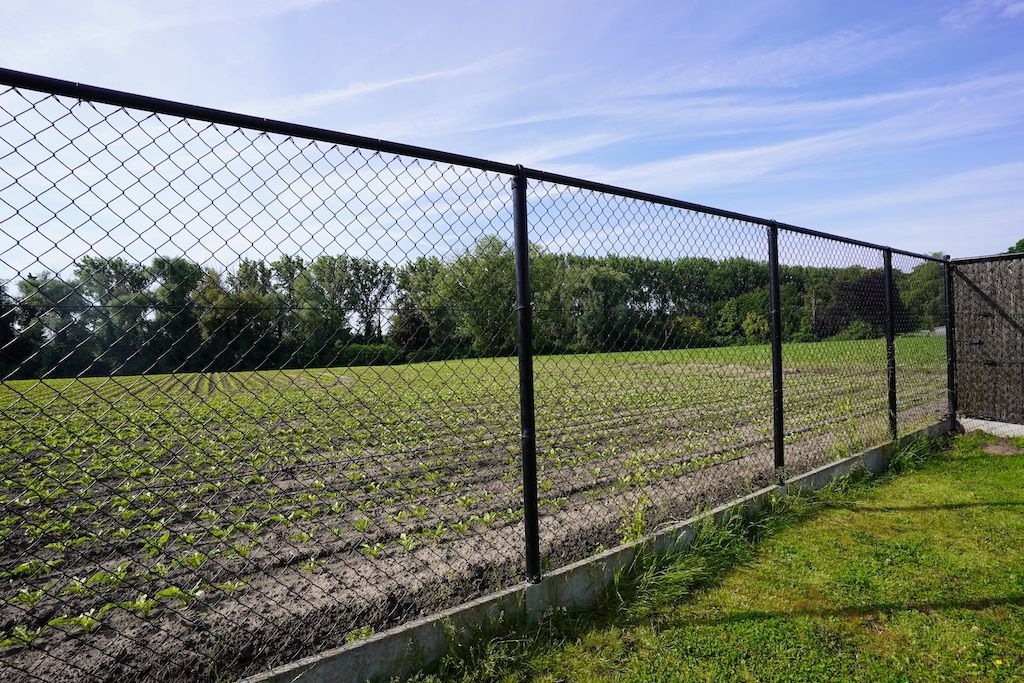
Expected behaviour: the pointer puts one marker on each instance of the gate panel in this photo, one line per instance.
(989, 305)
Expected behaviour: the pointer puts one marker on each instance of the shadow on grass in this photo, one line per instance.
(862, 611)
(854, 507)
(989, 459)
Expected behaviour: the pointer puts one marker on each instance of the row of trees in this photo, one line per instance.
(112, 316)
(585, 303)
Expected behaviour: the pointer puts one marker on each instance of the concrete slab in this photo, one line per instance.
(970, 424)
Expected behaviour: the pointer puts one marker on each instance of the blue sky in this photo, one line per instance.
(895, 122)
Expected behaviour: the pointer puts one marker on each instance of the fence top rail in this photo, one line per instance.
(118, 98)
(990, 257)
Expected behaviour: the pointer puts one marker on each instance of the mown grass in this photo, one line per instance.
(917, 577)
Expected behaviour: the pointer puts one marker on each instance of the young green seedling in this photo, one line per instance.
(231, 586)
(361, 633)
(312, 565)
(194, 560)
(142, 605)
(407, 542)
(372, 550)
(85, 622)
(29, 598)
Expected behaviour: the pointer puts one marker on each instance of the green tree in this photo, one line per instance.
(755, 327)
(176, 336)
(479, 290)
(727, 322)
(553, 322)
(16, 344)
(54, 308)
(600, 296)
(286, 271)
(372, 284)
(323, 292)
(417, 323)
(924, 292)
(252, 276)
(118, 313)
(237, 325)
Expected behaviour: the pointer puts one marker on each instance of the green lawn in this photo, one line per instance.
(915, 577)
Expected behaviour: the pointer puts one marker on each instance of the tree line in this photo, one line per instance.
(114, 316)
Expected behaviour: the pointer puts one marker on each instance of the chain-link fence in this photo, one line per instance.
(654, 390)
(268, 389)
(920, 320)
(834, 368)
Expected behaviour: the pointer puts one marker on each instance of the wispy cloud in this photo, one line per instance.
(783, 64)
(55, 30)
(974, 185)
(974, 12)
(304, 104)
(687, 173)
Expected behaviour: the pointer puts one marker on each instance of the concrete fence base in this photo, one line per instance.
(406, 649)
(1007, 429)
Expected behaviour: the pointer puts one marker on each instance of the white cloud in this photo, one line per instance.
(785, 65)
(974, 12)
(53, 32)
(1000, 180)
(718, 104)
(306, 103)
(689, 172)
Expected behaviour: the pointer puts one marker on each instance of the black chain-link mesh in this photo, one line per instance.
(920, 327)
(260, 396)
(218, 451)
(654, 393)
(834, 358)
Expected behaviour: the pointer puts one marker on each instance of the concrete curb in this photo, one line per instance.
(1005, 429)
(406, 649)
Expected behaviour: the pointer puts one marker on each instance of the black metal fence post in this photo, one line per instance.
(890, 342)
(950, 341)
(527, 420)
(776, 336)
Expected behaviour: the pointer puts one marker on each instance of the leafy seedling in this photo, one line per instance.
(21, 636)
(361, 633)
(185, 597)
(230, 586)
(407, 542)
(86, 621)
(142, 605)
(372, 550)
(311, 565)
(194, 560)
(154, 546)
(29, 598)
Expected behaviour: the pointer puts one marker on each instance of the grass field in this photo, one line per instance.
(916, 577)
(230, 521)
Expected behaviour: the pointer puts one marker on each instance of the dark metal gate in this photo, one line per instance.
(989, 305)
